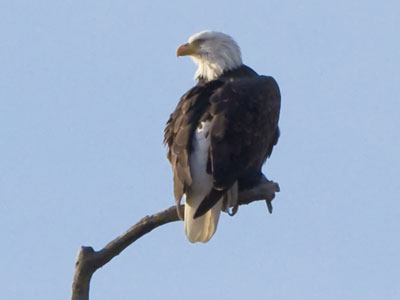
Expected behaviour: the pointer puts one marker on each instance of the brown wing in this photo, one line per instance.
(244, 129)
(179, 131)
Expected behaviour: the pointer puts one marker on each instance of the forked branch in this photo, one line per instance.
(89, 260)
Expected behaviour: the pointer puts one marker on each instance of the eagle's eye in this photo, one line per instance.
(198, 42)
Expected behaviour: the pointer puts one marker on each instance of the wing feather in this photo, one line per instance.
(244, 129)
(179, 132)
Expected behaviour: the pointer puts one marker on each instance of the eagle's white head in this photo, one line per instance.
(213, 52)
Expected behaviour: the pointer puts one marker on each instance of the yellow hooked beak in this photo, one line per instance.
(186, 49)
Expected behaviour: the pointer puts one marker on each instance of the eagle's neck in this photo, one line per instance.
(213, 66)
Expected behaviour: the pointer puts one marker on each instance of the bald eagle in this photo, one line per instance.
(221, 132)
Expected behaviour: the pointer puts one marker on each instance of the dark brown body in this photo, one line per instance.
(243, 108)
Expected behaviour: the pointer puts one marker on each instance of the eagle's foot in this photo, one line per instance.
(265, 190)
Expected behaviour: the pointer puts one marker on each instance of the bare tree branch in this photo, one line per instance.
(89, 260)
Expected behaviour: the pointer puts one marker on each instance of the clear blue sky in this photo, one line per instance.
(85, 90)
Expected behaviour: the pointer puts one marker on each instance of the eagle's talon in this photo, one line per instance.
(234, 210)
(269, 205)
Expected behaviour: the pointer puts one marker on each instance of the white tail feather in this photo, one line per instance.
(202, 228)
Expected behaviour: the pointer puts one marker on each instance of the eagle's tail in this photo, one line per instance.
(202, 228)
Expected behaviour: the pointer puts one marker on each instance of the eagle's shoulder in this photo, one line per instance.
(188, 112)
